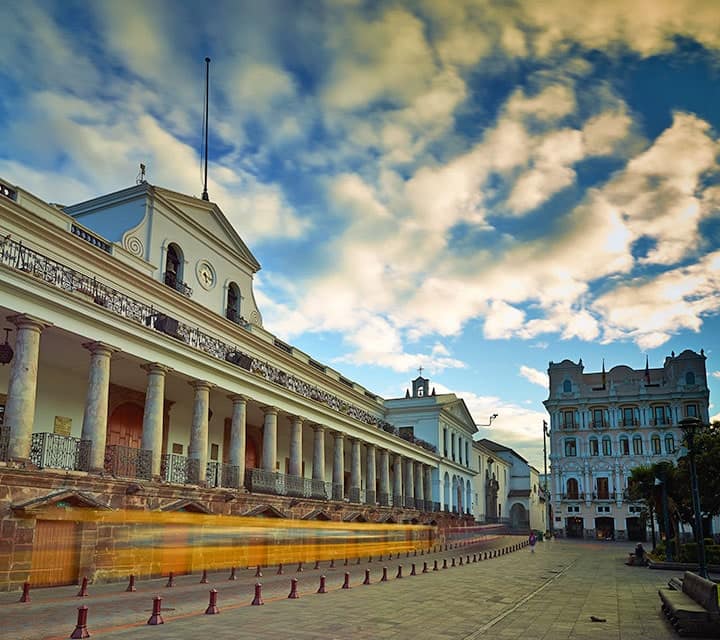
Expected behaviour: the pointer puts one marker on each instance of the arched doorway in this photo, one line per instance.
(574, 527)
(605, 528)
(125, 426)
(519, 517)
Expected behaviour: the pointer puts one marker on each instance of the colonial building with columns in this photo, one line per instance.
(137, 374)
(603, 424)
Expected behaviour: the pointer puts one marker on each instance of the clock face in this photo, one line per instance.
(205, 275)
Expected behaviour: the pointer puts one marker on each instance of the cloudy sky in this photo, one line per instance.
(475, 187)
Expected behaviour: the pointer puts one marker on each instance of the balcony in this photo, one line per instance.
(128, 462)
(599, 424)
(629, 423)
(279, 484)
(178, 469)
(570, 426)
(53, 451)
(219, 474)
(234, 316)
(172, 281)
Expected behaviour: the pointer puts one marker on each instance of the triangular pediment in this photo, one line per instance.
(213, 221)
(188, 506)
(387, 519)
(355, 517)
(458, 409)
(264, 511)
(60, 499)
(316, 514)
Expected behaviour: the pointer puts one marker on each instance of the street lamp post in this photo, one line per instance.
(690, 426)
(548, 522)
(666, 516)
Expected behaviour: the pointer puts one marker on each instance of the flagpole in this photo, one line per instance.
(548, 523)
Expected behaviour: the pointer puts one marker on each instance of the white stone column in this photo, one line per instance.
(370, 474)
(270, 439)
(22, 385)
(338, 466)
(318, 470)
(419, 493)
(153, 413)
(384, 497)
(397, 481)
(198, 449)
(237, 436)
(95, 416)
(428, 483)
(355, 470)
(296, 426)
(409, 484)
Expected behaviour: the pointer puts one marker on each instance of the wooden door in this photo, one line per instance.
(56, 553)
(125, 426)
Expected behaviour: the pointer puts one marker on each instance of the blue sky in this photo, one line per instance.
(472, 187)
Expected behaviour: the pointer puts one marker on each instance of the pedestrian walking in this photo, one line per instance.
(532, 540)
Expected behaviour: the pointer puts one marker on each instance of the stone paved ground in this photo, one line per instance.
(550, 594)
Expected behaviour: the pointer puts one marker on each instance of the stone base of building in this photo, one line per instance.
(46, 518)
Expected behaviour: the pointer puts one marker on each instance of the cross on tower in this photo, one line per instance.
(420, 370)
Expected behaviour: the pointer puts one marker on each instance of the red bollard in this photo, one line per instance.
(258, 572)
(422, 552)
(131, 584)
(171, 580)
(453, 562)
(425, 569)
(346, 584)
(25, 597)
(83, 588)
(81, 627)
(467, 559)
(461, 561)
(233, 574)
(358, 560)
(367, 577)
(317, 564)
(380, 558)
(369, 559)
(322, 585)
(474, 557)
(412, 571)
(280, 570)
(384, 575)
(415, 554)
(399, 573)
(257, 600)
(156, 617)
(389, 556)
(332, 563)
(300, 568)
(212, 606)
(293, 595)
(345, 563)
(203, 579)
(444, 563)
(435, 566)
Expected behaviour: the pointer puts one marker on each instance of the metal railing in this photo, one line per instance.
(219, 474)
(178, 469)
(15, 255)
(4, 441)
(53, 451)
(128, 462)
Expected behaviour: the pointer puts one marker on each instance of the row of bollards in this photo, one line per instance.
(156, 618)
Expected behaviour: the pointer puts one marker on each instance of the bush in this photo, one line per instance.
(689, 553)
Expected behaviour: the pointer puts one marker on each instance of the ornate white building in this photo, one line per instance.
(138, 375)
(604, 424)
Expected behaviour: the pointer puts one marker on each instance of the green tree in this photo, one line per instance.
(641, 488)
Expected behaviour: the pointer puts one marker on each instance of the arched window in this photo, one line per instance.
(570, 447)
(637, 446)
(173, 266)
(624, 446)
(572, 489)
(689, 378)
(655, 445)
(594, 449)
(232, 311)
(669, 443)
(606, 446)
(567, 386)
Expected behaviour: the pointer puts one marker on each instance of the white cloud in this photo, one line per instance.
(535, 376)
(715, 374)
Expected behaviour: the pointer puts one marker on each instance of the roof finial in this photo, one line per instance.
(420, 370)
(207, 94)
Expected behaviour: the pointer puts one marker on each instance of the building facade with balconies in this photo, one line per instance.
(602, 425)
(137, 375)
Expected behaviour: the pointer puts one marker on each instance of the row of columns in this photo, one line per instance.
(411, 479)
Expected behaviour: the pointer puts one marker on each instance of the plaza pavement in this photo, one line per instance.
(550, 594)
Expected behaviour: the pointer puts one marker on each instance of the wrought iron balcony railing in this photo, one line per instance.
(4, 441)
(15, 255)
(128, 462)
(219, 474)
(179, 469)
(172, 281)
(53, 451)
